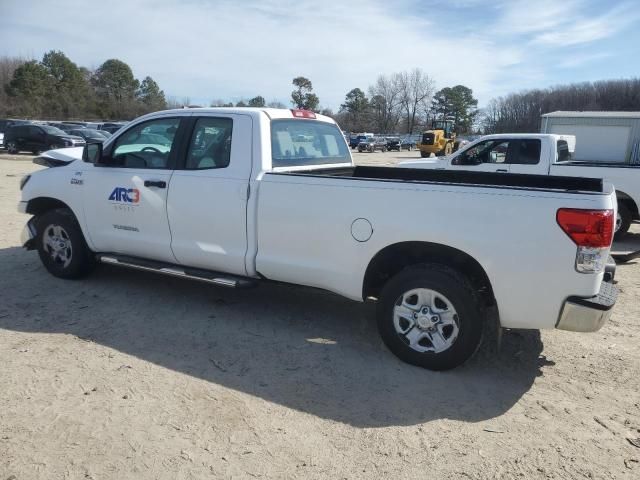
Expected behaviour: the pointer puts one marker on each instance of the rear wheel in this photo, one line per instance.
(424, 154)
(12, 147)
(430, 316)
(623, 221)
(61, 245)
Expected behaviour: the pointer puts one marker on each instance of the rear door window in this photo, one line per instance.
(564, 155)
(210, 145)
(526, 152)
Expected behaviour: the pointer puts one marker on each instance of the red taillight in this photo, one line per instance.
(299, 113)
(587, 228)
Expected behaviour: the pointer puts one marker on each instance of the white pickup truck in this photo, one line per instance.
(235, 197)
(543, 154)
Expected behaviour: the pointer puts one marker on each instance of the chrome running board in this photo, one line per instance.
(216, 278)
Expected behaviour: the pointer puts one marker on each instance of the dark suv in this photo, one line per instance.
(37, 138)
(372, 144)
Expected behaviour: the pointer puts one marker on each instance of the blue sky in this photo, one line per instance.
(228, 49)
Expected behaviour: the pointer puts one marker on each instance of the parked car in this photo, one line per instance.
(408, 143)
(65, 127)
(543, 154)
(89, 134)
(393, 143)
(112, 127)
(104, 133)
(425, 245)
(397, 144)
(4, 125)
(37, 138)
(355, 140)
(372, 144)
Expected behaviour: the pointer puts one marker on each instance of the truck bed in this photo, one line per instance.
(488, 179)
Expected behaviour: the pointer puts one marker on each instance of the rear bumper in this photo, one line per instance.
(588, 314)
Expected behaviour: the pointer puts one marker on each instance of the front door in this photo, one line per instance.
(487, 156)
(127, 200)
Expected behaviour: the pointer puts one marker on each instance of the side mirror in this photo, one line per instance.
(92, 153)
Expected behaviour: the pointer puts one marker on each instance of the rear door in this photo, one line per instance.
(526, 157)
(207, 204)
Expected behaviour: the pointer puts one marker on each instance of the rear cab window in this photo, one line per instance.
(564, 155)
(300, 143)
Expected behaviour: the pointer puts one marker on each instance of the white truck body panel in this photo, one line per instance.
(254, 220)
(324, 254)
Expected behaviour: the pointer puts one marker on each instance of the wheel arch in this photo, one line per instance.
(40, 205)
(629, 203)
(395, 257)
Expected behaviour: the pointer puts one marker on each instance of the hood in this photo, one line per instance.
(59, 157)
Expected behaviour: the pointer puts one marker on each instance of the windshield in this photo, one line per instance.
(52, 130)
(296, 143)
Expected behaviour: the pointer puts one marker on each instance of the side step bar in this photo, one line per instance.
(216, 278)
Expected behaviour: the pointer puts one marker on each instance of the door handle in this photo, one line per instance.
(502, 170)
(155, 183)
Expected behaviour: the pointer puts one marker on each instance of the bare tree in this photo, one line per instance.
(416, 90)
(386, 103)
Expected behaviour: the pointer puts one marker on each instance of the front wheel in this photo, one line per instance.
(430, 316)
(61, 245)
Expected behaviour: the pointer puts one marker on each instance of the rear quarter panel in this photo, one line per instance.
(304, 236)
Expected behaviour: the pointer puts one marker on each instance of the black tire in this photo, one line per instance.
(424, 154)
(12, 148)
(624, 222)
(81, 260)
(448, 283)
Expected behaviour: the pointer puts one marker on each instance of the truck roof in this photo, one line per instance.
(272, 113)
(523, 135)
(573, 114)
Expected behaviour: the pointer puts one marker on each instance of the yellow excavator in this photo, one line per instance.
(440, 140)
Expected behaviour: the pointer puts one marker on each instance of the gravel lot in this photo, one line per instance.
(132, 375)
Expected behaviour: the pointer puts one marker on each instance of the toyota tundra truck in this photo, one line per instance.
(543, 154)
(237, 197)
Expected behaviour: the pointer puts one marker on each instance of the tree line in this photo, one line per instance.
(406, 102)
(57, 88)
(520, 112)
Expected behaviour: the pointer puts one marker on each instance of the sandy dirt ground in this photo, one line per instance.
(127, 375)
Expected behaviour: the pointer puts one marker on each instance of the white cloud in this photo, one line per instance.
(230, 49)
(580, 59)
(531, 16)
(587, 30)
